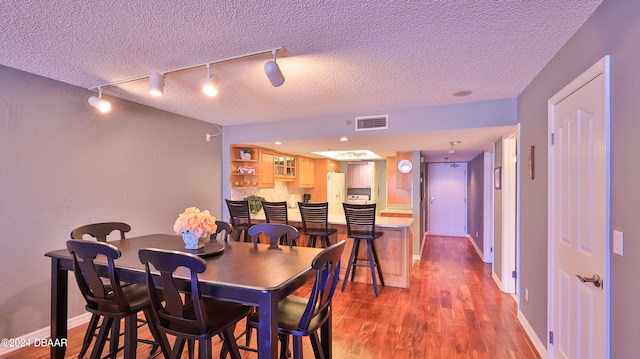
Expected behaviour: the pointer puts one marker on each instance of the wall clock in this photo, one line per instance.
(405, 166)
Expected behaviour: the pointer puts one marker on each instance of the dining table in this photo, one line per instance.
(258, 275)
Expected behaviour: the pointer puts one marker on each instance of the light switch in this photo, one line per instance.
(618, 242)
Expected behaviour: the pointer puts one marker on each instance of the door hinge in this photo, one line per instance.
(550, 337)
(553, 139)
(491, 249)
(514, 274)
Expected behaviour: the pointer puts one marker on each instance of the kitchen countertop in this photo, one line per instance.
(382, 222)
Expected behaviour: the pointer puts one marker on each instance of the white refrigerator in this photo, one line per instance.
(336, 192)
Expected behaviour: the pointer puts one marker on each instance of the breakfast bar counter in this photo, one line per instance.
(393, 248)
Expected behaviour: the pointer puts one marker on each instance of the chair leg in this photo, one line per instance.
(317, 347)
(349, 265)
(204, 349)
(312, 241)
(230, 342)
(375, 256)
(130, 336)
(101, 340)
(159, 336)
(88, 336)
(236, 234)
(284, 346)
(356, 244)
(297, 347)
(115, 336)
(327, 243)
(372, 264)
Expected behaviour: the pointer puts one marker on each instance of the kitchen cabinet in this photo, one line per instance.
(360, 175)
(284, 167)
(267, 174)
(251, 171)
(244, 166)
(305, 177)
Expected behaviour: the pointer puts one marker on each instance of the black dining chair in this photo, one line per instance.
(315, 222)
(361, 226)
(223, 230)
(99, 231)
(240, 217)
(299, 317)
(112, 302)
(275, 232)
(277, 212)
(194, 318)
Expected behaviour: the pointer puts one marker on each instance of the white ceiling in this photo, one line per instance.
(340, 56)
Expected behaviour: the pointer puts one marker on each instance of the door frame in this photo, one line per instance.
(510, 231)
(602, 67)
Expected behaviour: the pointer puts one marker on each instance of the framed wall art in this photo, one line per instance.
(531, 162)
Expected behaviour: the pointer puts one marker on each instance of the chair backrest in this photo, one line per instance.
(275, 212)
(361, 218)
(314, 214)
(327, 265)
(174, 314)
(275, 231)
(224, 228)
(98, 296)
(239, 211)
(100, 231)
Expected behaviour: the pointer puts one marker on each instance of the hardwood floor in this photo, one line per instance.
(453, 309)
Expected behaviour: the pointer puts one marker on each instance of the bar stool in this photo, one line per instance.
(361, 226)
(315, 222)
(240, 218)
(277, 212)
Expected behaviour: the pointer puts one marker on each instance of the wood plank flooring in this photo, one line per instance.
(453, 309)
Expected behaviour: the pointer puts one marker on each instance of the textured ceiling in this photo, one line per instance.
(340, 56)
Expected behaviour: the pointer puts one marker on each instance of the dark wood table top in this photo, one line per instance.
(257, 267)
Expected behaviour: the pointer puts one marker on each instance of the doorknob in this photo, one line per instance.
(595, 279)
(432, 198)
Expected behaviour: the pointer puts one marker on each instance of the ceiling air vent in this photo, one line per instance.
(372, 123)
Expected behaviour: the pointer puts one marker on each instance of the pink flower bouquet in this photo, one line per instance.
(199, 223)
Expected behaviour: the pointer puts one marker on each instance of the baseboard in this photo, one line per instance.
(497, 280)
(45, 332)
(537, 343)
(475, 245)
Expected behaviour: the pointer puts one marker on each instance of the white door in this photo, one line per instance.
(578, 216)
(447, 198)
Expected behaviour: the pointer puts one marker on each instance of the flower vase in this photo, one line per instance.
(191, 241)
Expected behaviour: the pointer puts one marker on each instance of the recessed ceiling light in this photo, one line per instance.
(462, 93)
(344, 139)
(278, 143)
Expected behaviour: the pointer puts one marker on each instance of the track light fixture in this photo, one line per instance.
(156, 84)
(451, 144)
(273, 72)
(103, 106)
(156, 81)
(210, 87)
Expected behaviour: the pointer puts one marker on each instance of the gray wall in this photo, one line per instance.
(613, 29)
(63, 164)
(476, 200)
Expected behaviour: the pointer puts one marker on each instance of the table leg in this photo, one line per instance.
(268, 326)
(326, 336)
(59, 294)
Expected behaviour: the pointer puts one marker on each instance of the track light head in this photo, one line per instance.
(210, 87)
(102, 105)
(273, 72)
(156, 84)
